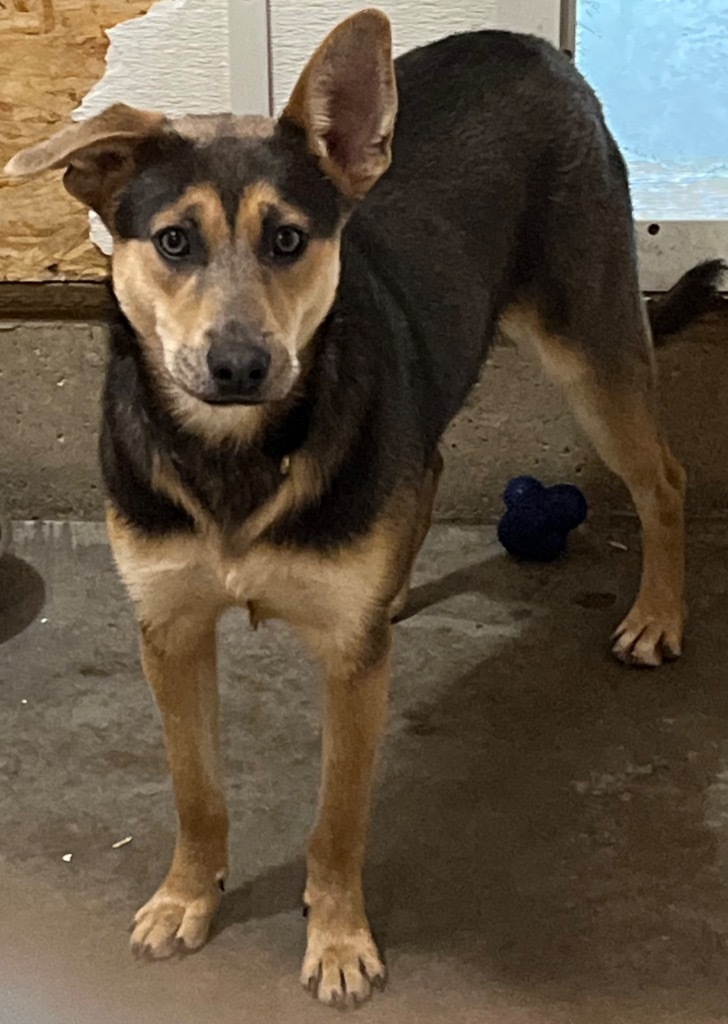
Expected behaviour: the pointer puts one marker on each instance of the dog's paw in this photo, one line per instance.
(341, 966)
(169, 924)
(648, 638)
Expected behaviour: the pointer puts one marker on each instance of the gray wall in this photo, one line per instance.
(516, 422)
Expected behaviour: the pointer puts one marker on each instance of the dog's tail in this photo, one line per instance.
(694, 294)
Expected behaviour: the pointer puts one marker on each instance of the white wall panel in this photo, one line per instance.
(297, 26)
(174, 58)
(185, 57)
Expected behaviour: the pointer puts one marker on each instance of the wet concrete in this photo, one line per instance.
(550, 841)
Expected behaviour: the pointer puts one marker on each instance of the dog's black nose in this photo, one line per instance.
(238, 369)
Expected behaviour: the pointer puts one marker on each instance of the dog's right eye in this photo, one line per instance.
(173, 243)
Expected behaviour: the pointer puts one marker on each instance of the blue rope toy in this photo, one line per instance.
(538, 519)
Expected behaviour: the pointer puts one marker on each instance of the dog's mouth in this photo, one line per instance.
(215, 399)
(208, 396)
(232, 399)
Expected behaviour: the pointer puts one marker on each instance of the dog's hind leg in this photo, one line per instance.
(614, 400)
(580, 304)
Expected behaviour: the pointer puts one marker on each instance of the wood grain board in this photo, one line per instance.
(51, 53)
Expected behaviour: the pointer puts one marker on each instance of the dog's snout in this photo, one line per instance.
(238, 367)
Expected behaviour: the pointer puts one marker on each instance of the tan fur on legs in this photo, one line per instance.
(339, 603)
(427, 502)
(341, 960)
(180, 667)
(617, 413)
(623, 429)
(177, 608)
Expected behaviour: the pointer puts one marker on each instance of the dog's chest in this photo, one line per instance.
(185, 575)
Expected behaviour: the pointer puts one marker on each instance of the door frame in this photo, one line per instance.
(251, 78)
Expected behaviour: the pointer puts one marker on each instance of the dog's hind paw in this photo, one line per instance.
(341, 967)
(168, 924)
(647, 638)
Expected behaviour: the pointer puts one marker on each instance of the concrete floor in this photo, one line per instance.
(550, 841)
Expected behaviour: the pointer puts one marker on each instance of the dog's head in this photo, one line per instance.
(226, 229)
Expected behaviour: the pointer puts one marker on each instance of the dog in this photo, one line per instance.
(305, 303)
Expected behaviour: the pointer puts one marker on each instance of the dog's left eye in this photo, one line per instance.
(288, 241)
(173, 243)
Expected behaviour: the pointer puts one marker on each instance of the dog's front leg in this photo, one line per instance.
(341, 960)
(179, 662)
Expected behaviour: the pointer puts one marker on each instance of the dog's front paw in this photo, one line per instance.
(648, 636)
(341, 964)
(170, 923)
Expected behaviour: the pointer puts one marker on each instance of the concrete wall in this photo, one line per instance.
(50, 382)
(516, 422)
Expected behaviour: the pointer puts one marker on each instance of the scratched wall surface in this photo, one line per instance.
(297, 26)
(51, 52)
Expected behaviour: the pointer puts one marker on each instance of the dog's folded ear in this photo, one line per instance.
(346, 102)
(98, 154)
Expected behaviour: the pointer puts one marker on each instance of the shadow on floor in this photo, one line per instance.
(22, 596)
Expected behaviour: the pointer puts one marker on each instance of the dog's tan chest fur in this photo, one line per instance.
(331, 594)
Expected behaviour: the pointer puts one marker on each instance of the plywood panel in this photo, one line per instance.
(297, 26)
(51, 53)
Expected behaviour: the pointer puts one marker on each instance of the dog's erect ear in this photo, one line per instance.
(346, 102)
(98, 154)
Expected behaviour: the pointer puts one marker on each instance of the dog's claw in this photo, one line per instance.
(342, 970)
(378, 982)
(170, 924)
(647, 640)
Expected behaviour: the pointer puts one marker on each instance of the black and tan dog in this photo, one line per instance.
(301, 321)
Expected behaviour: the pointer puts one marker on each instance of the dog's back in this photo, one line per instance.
(503, 179)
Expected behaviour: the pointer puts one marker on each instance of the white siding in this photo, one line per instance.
(298, 26)
(175, 58)
(185, 57)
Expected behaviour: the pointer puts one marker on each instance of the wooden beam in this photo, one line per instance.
(83, 301)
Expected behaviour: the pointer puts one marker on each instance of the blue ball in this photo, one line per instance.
(538, 519)
(519, 487)
(529, 537)
(567, 505)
